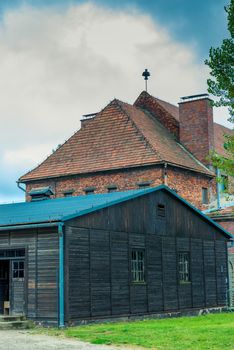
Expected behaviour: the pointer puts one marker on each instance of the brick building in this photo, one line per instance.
(125, 146)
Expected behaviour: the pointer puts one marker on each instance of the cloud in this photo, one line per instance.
(57, 64)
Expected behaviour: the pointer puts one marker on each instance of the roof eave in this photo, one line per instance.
(29, 225)
(208, 173)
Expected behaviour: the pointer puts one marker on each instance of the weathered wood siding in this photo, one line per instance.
(41, 269)
(98, 247)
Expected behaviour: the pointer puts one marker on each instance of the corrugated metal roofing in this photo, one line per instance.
(62, 209)
(50, 210)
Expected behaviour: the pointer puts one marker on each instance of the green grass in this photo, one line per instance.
(214, 331)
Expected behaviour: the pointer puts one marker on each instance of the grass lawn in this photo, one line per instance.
(214, 331)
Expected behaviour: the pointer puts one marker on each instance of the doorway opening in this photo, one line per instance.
(4, 286)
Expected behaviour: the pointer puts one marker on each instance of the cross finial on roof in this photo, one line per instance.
(146, 75)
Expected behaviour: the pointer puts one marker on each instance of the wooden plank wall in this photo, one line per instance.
(98, 248)
(41, 269)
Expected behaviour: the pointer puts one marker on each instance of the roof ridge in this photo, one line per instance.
(172, 136)
(112, 102)
(55, 214)
(138, 129)
(146, 94)
(157, 98)
(169, 135)
(223, 126)
(193, 157)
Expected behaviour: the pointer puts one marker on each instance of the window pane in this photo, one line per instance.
(204, 195)
(18, 269)
(137, 265)
(15, 274)
(20, 252)
(21, 273)
(183, 267)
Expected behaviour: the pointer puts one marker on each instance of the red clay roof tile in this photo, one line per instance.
(120, 136)
(219, 130)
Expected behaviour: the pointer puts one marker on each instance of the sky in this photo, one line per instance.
(61, 59)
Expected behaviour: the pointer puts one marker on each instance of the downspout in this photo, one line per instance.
(21, 188)
(165, 174)
(218, 188)
(61, 275)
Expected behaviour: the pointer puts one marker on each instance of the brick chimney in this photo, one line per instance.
(86, 118)
(196, 125)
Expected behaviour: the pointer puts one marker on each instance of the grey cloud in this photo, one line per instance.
(56, 66)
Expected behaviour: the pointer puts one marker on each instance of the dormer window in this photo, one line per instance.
(144, 184)
(112, 188)
(89, 190)
(68, 193)
(161, 210)
(40, 193)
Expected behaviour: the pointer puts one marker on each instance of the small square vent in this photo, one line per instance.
(161, 210)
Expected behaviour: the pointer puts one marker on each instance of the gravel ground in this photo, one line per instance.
(23, 340)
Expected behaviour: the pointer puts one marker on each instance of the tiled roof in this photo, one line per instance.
(219, 138)
(163, 142)
(170, 108)
(227, 211)
(219, 130)
(120, 136)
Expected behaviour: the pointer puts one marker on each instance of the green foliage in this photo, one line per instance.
(225, 163)
(221, 63)
(214, 331)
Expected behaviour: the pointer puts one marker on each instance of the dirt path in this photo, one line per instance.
(23, 340)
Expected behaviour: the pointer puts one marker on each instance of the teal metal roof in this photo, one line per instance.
(51, 211)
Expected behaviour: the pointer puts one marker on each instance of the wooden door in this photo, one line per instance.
(17, 302)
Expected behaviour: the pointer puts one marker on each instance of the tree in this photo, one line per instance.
(221, 63)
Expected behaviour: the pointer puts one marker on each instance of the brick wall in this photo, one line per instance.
(188, 184)
(125, 180)
(196, 127)
(228, 224)
(230, 185)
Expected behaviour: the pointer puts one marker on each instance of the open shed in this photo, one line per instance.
(110, 255)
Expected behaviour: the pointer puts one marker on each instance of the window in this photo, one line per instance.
(204, 195)
(41, 193)
(89, 190)
(12, 253)
(137, 266)
(183, 267)
(68, 193)
(144, 184)
(18, 269)
(111, 188)
(161, 211)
